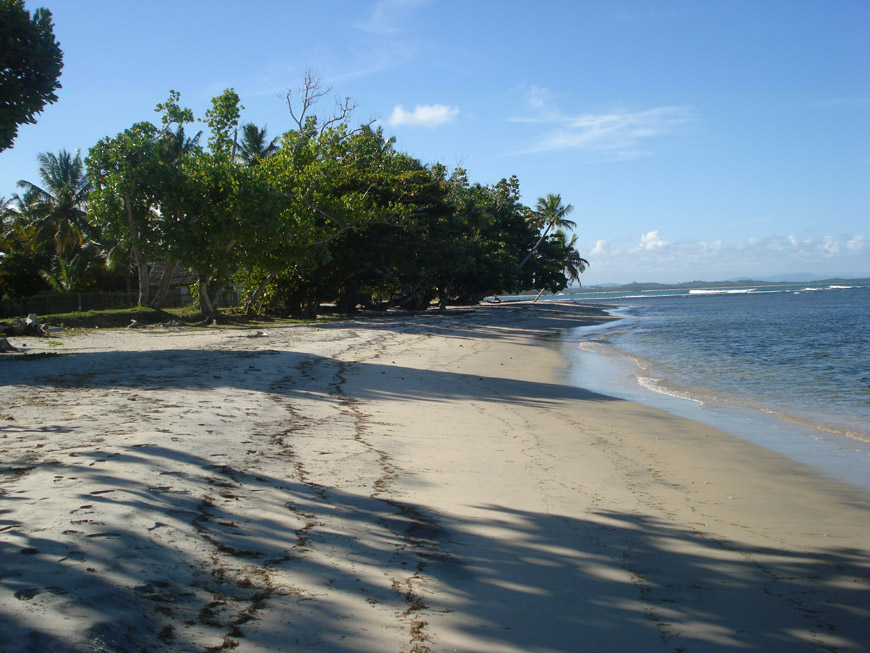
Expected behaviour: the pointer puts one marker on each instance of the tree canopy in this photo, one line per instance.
(30, 65)
(326, 214)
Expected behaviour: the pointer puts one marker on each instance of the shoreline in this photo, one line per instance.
(841, 455)
(412, 483)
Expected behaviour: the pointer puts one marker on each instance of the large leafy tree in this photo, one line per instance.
(30, 65)
(124, 170)
(334, 214)
(132, 173)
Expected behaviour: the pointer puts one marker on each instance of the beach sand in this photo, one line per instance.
(398, 483)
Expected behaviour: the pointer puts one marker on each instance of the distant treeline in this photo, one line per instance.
(325, 214)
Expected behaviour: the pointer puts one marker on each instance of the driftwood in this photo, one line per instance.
(5, 346)
(29, 327)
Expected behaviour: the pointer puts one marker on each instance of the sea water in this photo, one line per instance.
(787, 367)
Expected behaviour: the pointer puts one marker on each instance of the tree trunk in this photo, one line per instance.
(258, 292)
(537, 245)
(444, 295)
(168, 273)
(144, 277)
(138, 255)
(206, 306)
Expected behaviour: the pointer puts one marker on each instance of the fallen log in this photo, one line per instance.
(29, 326)
(5, 346)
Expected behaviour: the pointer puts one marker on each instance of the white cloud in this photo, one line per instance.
(654, 258)
(618, 134)
(651, 240)
(856, 244)
(602, 248)
(424, 115)
(830, 245)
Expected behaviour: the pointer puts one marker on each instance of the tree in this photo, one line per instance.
(30, 65)
(549, 213)
(124, 169)
(255, 146)
(558, 263)
(223, 119)
(132, 173)
(58, 210)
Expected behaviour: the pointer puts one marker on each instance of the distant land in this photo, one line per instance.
(731, 283)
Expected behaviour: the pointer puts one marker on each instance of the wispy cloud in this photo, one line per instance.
(424, 115)
(388, 39)
(851, 102)
(387, 16)
(617, 134)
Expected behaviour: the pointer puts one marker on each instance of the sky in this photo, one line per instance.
(696, 140)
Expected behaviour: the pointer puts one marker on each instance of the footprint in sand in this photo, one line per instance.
(29, 593)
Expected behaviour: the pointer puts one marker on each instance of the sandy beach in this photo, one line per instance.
(398, 483)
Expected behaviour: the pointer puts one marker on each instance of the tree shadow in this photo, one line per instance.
(219, 563)
(523, 323)
(289, 374)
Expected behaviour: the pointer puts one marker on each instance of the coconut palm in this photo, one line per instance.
(179, 142)
(575, 265)
(255, 146)
(57, 210)
(549, 212)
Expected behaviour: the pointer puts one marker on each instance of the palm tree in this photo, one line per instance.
(569, 261)
(179, 142)
(66, 277)
(57, 210)
(549, 212)
(575, 265)
(255, 146)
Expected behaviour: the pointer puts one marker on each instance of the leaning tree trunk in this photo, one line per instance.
(537, 245)
(258, 292)
(168, 273)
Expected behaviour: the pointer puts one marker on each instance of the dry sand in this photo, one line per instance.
(408, 483)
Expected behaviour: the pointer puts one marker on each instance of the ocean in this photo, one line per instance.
(786, 367)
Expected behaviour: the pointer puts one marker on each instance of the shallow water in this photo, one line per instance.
(786, 367)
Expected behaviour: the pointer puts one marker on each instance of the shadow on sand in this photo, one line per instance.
(519, 579)
(511, 579)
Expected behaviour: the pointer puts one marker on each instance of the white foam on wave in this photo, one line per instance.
(723, 291)
(650, 296)
(659, 387)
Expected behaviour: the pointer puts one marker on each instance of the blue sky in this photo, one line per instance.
(695, 140)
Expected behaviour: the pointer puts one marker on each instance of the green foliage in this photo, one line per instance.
(331, 214)
(19, 268)
(255, 145)
(30, 65)
(223, 118)
(56, 211)
(172, 111)
(66, 276)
